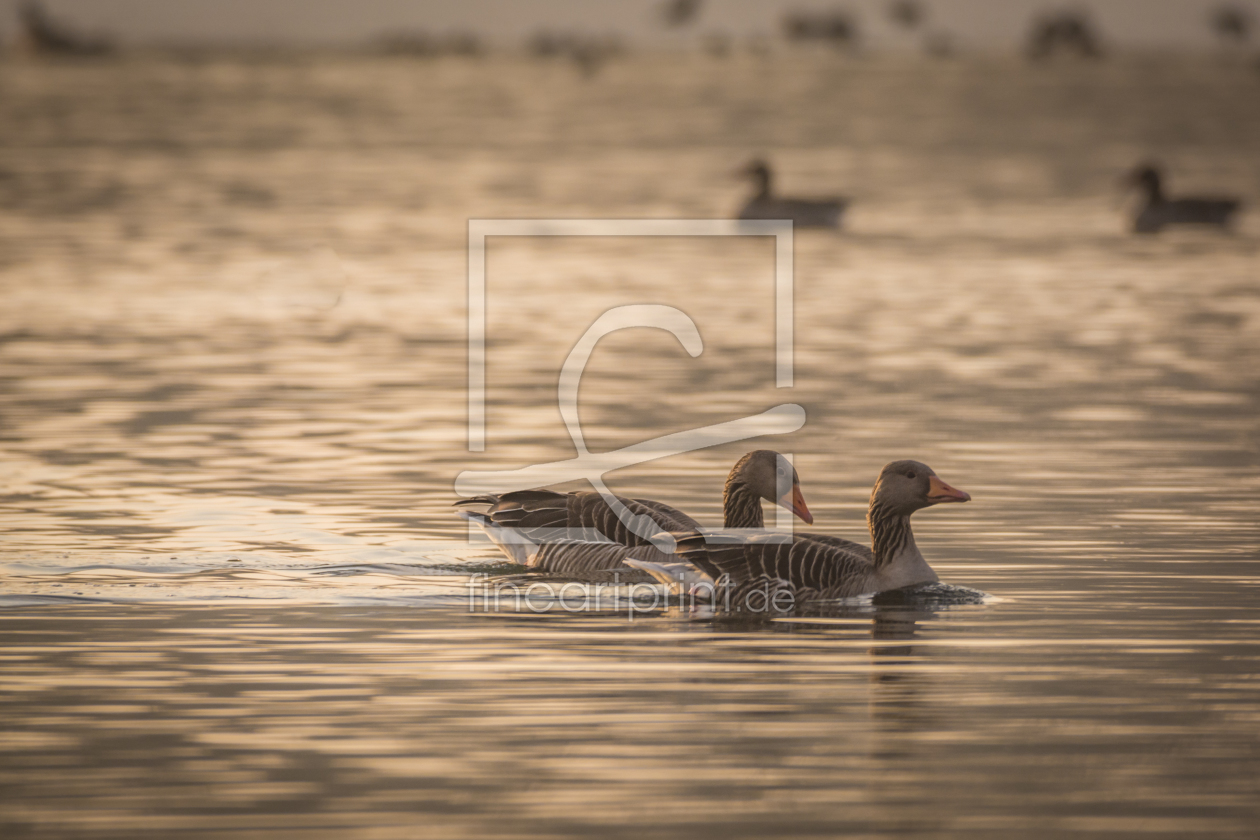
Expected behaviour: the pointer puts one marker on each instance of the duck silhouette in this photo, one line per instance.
(802, 212)
(1159, 211)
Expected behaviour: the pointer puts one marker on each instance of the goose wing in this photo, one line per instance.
(535, 513)
(595, 561)
(590, 513)
(668, 517)
(841, 543)
(531, 512)
(802, 212)
(580, 559)
(807, 565)
(1205, 211)
(809, 213)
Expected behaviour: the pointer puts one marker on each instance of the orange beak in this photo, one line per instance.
(795, 502)
(941, 493)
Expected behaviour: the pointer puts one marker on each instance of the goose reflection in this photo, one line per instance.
(896, 702)
(898, 705)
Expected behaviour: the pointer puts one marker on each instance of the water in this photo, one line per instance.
(233, 407)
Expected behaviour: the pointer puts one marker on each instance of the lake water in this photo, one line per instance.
(233, 597)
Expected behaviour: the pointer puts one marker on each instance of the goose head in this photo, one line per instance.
(759, 171)
(769, 475)
(907, 486)
(1148, 179)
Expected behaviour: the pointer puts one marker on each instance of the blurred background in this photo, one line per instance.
(234, 249)
(986, 25)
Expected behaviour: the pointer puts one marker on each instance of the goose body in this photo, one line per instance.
(593, 559)
(1158, 211)
(544, 516)
(802, 212)
(580, 534)
(744, 570)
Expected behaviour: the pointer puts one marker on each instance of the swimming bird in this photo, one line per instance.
(587, 558)
(579, 533)
(742, 570)
(1159, 211)
(801, 212)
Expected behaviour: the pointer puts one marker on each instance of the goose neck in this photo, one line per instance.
(762, 180)
(741, 506)
(892, 541)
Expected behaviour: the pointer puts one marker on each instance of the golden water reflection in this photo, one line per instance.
(232, 406)
(403, 723)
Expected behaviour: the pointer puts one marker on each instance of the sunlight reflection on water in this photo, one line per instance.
(233, 367)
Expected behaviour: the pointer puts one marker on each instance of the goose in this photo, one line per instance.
(746, 570)
(1160, 211)
(596, 542)
(822, 213)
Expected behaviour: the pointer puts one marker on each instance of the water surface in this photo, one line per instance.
(232, 408)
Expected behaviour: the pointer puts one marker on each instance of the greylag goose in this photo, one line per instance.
(579, 534)
(815, 566)
(1159, 211)
(802, 212)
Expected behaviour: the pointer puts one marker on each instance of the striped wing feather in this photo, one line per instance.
(589, 510)
(579, 535)
(528, 511)
(828, 567)
(591, 561)
(531, 511)
(668, 517)
(840, 543)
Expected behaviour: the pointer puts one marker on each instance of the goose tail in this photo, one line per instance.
(693, 549)
(691, 574)
(517, 548)
(672, 574)
(487, 499)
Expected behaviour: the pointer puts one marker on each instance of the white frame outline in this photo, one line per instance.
(480, 229)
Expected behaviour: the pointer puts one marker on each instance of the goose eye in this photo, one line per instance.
(910, 474)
